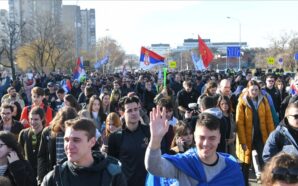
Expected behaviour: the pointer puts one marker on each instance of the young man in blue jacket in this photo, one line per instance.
(198, 166)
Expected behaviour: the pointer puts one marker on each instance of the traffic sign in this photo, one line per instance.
(270, 60)
(233, 51)
(280, 60)
(296, 56)
(172, 64)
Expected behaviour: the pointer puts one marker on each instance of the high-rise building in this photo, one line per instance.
(88, 29)
(81, 24)
(26, 12)
(72, 22)
(3, 18)
(3, 23)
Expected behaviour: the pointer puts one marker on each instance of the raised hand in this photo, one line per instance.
(158, 126)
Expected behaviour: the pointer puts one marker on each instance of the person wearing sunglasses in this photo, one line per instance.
(281, 170)
(285, 136)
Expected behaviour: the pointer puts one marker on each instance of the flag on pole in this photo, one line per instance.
(198, 63)
(149, 59)
(206, 53)
(79, 70)
(101, 62)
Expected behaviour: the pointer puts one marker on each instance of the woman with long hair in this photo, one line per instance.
(183, 138)
(113, 124)
(17, 110)
(225, 105)
(51, 148)
(105, 99)
(12, 163)
(71, 101)
(94, 111)
(254, 123)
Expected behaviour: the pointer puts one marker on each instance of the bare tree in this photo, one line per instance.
(9, 43)
(46, 45)
(110, 47)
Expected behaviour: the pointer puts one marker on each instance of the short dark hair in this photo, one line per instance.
(270, 76)
(127, 100)
(83, 124)
(209, 121)
(165, 102)
(208, 102)
(39, 111)
(60, 91)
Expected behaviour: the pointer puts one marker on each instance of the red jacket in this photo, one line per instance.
(48, 114)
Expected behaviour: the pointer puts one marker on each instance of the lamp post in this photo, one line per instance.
(239, 22)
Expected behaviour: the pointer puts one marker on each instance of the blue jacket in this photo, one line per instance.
(191, 165)
(279, 140)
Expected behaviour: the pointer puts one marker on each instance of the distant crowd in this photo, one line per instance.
(188, 128)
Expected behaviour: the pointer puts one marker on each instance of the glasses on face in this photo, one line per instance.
(288, 175)
(294, 116)
(2, 144)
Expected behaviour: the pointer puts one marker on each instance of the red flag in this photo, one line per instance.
(206, 53)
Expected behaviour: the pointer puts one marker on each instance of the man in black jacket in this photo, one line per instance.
(129, 145)
(82, 167)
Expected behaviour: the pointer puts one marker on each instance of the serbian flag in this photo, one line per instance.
(150, 59)
(66, 85)
(293, 89)
(206, 53)
(79, 71)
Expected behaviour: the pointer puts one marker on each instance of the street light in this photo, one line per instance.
(239, 22)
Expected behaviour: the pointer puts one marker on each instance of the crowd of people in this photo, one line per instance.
(194, 128)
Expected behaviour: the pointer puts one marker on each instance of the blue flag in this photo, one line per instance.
(101, 62)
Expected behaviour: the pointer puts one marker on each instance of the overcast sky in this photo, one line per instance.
(142, 23)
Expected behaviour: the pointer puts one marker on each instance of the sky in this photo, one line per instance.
(144, 22)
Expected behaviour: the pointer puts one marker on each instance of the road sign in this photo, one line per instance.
(233, 51)
(270, 60)
(296, 56)
(172, 64)
(280, 60)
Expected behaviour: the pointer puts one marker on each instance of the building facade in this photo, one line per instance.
(88, 29)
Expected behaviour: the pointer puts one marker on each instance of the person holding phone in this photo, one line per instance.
(183, 139)
(12, 163)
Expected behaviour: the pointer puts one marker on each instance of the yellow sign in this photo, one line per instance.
(172, 64)
(270, 60)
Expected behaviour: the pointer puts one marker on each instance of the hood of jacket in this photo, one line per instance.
(99, 164)
(215, 112)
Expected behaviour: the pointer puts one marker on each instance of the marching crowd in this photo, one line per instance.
(135, 129)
